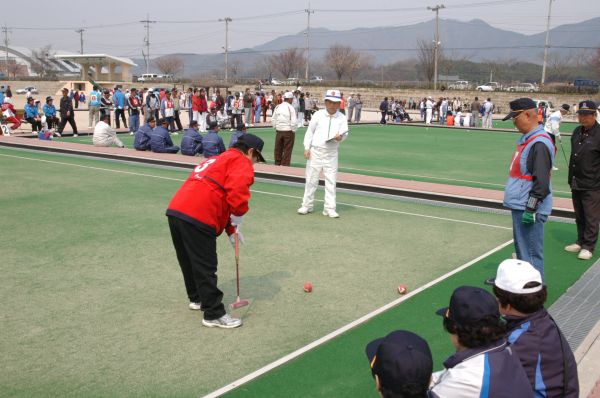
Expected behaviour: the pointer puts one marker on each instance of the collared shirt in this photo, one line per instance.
(584, 165)
(323, 127)
(284, 117)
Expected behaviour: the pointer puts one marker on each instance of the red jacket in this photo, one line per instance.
(199, 104)
(216, 189)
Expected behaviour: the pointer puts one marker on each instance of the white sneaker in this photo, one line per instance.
(230, 129)
(225, 322)
(554, 168)
(194, 306)
(131, 133)
(304, 210)
(331, 213)
(173, 133)
(75, 135)
(57, 134)
(573, 248)
(584, 254)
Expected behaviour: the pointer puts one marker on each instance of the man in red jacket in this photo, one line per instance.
(214, 198)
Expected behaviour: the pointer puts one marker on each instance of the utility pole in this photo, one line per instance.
(80, 31)
(308, 12)
(226, 48)
(5, 31)
(147, 23)
(437, 42)
(546, 45)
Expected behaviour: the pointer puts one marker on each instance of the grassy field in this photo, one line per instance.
(440, 155)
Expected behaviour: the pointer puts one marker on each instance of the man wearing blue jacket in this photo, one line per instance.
(191, 142)
(143, 135)
(160, 140)
(119, 100)
(528, 192)
(532, 333)
(241, 130)
(483, 365)
(212, 143)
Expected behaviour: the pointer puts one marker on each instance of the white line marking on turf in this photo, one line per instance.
(347, 327)
(264, 192)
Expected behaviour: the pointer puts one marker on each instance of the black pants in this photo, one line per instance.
(121, 113)
(587, 217)
(383, 113)
(197, 255)
(36, 125)
(63, 123)
(52, 121)
(178, 121)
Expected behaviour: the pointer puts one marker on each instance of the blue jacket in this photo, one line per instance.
(235, 137)
(517, 190)
(545, 355)
(191, 142)
(31, 111)
(142, 138)
(160, 139)
(212, 144)
(49, 110)
(493, 371)
(119, 99)
(95, 98)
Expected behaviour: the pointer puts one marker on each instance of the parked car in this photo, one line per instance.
(316, 79)
(459, 85)
(147, 77)
(291, 81)
(491, 86)
(549, 105)
(525, 87)
(26, 89)
(275, 82)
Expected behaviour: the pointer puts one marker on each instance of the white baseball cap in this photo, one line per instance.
(333, 95)
(513, 275)
(288, 95)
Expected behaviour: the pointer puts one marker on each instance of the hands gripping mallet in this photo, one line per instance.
(238, 302)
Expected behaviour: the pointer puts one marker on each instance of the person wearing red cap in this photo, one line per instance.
(214, 198)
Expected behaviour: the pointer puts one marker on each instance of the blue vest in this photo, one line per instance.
(95, 98)
(517, 190)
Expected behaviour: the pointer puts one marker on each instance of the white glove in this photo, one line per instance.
(240, 237)
(236, 221)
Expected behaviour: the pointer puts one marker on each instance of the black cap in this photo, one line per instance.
(399, 359)
(213, 124)
(48, 98)
(470, 304)
(565, 107)
(241, 127)
(162, 121)
(254, 142)
(587, 106)
(193, 123)
(519, 105)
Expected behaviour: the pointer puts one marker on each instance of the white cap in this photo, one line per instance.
(288, 95)
(513, 275)
(333, 95)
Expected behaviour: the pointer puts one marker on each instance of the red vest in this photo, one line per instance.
(515, 164)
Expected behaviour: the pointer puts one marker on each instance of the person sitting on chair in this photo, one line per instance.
(32, 115)
(50, 113)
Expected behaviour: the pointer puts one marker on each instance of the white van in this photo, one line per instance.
(146, 77)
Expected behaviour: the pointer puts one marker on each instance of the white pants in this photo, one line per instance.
(428, 114)
(487, 121)
(300, 119)
(326, 160)
(200, 117)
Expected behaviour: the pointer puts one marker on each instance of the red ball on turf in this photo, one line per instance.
(402, 289)
(308, 287)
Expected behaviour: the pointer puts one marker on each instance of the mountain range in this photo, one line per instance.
(474, 40)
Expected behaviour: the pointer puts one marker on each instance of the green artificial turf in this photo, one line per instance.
(471, 158)
(565, 127)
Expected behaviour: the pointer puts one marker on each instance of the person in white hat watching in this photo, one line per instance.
(428, 110)
(285, 123)
(532, 333)
(327, 128)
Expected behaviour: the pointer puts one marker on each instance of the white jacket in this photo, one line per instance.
(323, 127)
(104, 135)
(284, 117)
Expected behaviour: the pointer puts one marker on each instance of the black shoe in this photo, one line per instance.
(490, 281)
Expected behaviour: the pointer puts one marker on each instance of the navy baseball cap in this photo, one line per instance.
(565, 107)
(400, 359)
(519, 105)
(256, 143)
(470, 304)
(587, 106)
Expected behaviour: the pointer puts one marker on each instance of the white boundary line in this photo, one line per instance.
(262, 192)
(347, 327)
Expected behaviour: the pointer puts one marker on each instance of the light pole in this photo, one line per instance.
(437, 42)
(80, 31)
(226, 20)
(308, 12)
(546, 45)
(147, 23)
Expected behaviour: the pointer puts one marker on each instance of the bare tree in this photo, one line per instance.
(169, 65)
(426, 57)
(41, 61)
(235, 68)
(344, 61)
(594, 62)
(288, 62)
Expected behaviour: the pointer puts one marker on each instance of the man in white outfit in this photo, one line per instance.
(488, 112)
(327, 128)
(104, 135)
(428, 110)
(552, 125)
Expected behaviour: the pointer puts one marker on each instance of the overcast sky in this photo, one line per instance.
(113, 26)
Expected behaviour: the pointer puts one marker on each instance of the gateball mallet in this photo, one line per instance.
(238, 302)
(563, 151)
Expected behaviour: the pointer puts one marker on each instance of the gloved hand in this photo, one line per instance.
(236, 221)
(240, 237)
(528, 218)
